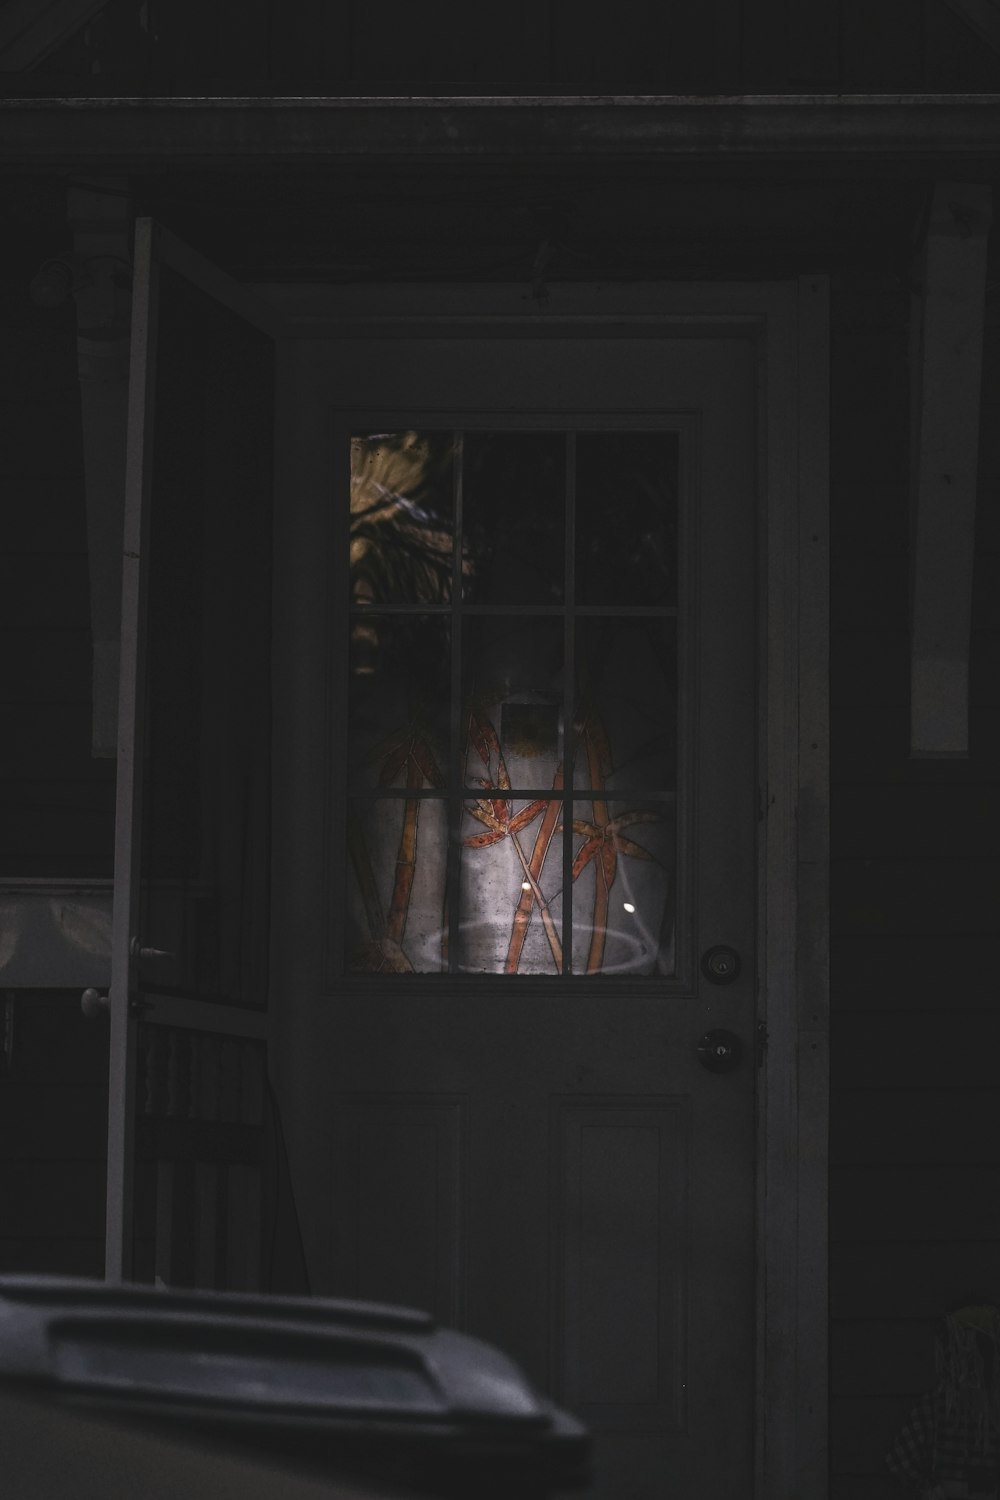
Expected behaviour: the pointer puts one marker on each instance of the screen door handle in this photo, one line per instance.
(140, 950)
(94, 1004)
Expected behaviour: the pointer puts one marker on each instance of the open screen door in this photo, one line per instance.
(190, 926)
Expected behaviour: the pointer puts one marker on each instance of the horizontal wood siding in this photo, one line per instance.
(638, 46)
(915, 1153)
(53, 1135)
(56, 801)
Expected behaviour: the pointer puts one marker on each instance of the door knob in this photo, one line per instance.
(94, 1004)
(720, 1051)
(721, 965)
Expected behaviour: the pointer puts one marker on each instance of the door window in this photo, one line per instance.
(513, 677)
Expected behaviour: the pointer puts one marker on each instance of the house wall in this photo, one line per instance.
(915, 1153)
(915, 1180)
(56, 801)
(718, 46)
(915, 1206)
(53, 1135)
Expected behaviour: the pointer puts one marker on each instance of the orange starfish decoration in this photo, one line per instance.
(604, 841)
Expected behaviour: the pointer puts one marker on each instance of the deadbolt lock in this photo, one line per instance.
(720, 965)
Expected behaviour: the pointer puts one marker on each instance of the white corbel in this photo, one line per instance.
(946, 370)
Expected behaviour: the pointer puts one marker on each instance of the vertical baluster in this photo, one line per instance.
(206, 1213)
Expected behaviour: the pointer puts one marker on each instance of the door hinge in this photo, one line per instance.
(761, 1043)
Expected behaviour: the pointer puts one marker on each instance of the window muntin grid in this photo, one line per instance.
(514, 602)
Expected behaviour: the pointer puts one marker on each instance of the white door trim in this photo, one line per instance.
(788, 321)
(792, 1416)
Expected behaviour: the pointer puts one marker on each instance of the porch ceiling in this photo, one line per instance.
(536, 224)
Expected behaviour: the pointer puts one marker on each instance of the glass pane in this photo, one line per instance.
(397, 851)
(510, 908)
(623, 864)
(399, 719)
(512, 685)
(506, 864)
(626, 518)
(626, 708)
(513, 510)
(402, 517)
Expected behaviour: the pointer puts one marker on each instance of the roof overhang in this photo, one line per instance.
(913, 134)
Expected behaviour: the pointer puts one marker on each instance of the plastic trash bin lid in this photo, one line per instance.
(330, 1384)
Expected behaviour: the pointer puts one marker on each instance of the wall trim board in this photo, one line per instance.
(877, 132)
(946, 374)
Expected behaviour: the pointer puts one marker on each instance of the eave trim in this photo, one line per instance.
(130, 133)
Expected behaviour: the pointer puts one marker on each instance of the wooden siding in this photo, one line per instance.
(56, 801)
(716, 47)
(915, 1155)
(53, 1134)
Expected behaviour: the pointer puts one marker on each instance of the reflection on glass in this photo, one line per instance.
(512, 683)
(396, 922)
(398, 719)
(626, 706)
(402, 517)
(513, 506)
(471, 847)
(626, 518)
(510, 906)
(623, 859)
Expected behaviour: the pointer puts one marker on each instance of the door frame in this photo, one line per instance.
(788, 324)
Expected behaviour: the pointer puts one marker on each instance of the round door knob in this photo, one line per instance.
(94, 1004)
(721, 965)
(720, 1051)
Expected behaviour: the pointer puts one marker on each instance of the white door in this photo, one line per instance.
(515, 863)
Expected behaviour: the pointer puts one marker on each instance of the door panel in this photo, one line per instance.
(399, 1159)
(537, 1155)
